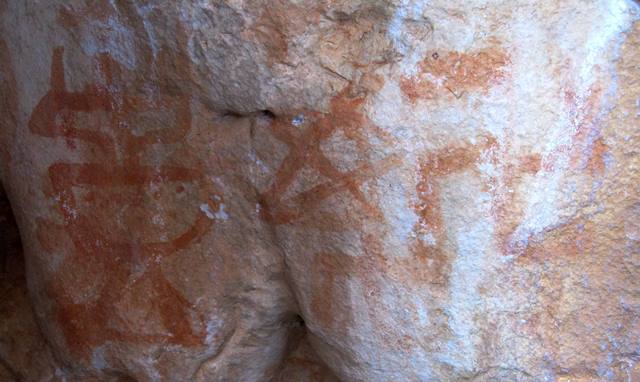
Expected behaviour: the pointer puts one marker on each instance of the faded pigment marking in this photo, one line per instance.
(92, 250)
(305, 151)
(455, 73)
(581, 150)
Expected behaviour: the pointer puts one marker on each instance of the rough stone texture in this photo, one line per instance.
(298, 190)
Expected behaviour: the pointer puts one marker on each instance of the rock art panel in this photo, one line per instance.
(321, 191)
(94, 241)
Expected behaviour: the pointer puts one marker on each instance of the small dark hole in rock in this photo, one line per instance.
(294, 322)
(341, 16)
(122, 377)
(268, 114)
(299, 320)
(10, 244)
(231, 114)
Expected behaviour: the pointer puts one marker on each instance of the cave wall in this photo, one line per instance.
(352, 190)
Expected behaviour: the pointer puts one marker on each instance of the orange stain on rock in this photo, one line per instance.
(269, 31)
(87, 325)
(372, 82)
(596, 163)
(331, 274)
(531, 164)
(455, 73)
(570, 241)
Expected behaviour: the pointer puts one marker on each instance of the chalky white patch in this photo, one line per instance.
(110, 37)
(214, 326)
(403, 40)
(221, 214)
(144, 11)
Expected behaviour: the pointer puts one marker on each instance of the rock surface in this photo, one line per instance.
(344, 190)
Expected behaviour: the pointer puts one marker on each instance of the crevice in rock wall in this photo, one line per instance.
(11, 261)
(301, 362)
(24, 353)
(12, 284)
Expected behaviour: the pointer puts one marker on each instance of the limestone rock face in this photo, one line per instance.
(301, 190)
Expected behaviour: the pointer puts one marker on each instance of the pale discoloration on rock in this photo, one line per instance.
(301, 190)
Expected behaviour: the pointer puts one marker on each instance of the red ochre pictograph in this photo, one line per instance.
(456, 73)
(122, 267)
(304, 141)
(305, 150)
